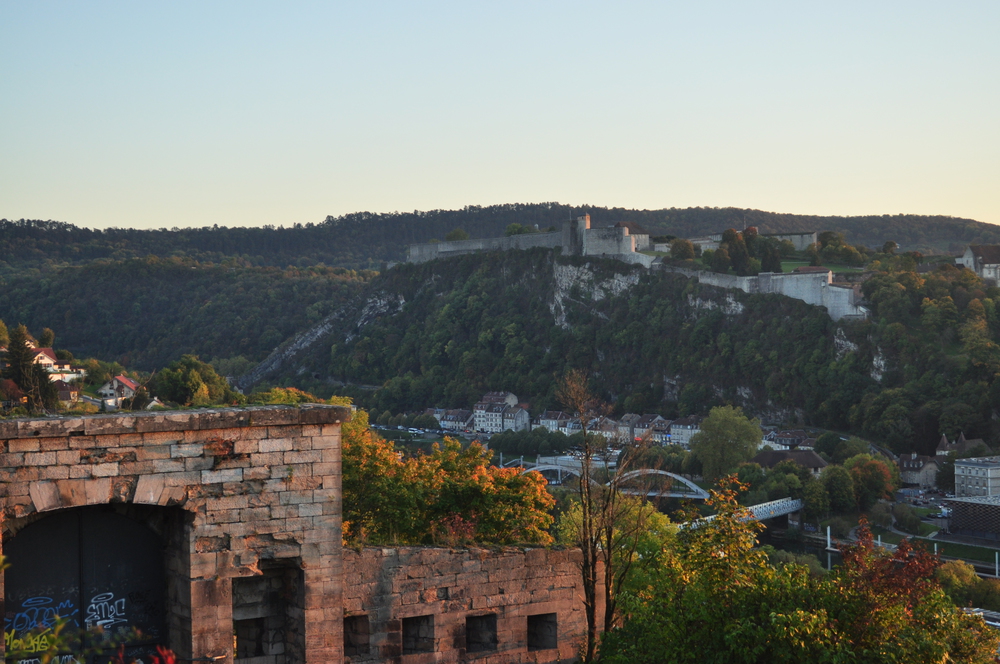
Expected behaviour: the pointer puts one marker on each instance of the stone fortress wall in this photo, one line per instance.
(841, 302)
(218, 534)
(577, 238)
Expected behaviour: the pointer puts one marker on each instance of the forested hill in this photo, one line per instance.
(444, 332)
(145, 313)
(367, 239)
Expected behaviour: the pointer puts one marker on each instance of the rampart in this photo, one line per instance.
(443, 605)
(419, 253)
(812, 288)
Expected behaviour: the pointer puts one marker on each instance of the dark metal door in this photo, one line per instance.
(100, 571)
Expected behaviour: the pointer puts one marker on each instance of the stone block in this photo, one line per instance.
(24, 445)
(161, 422)
(148, 489)
(53, 472)
(274, 415)
(72, 493)
(227, 475)
(105, 469)
(275, 445)
(44, 496)
(109, 424)
(49, 428)
(97, 491)
(187, 450)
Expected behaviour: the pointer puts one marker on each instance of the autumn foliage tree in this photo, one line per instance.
(449, 497)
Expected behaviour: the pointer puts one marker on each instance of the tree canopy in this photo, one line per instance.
(714, 597)
(727, 438)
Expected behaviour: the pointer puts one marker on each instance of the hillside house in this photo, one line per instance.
(68, 394)
(918, 470)
(983, 259)
(118, 388)
(791, 438)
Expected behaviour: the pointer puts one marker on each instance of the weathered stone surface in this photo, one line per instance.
(189, 460)
(257, 494)
(391, 586)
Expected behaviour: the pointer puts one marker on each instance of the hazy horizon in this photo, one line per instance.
(246, 114)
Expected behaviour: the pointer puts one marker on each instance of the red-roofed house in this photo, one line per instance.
(119, 387)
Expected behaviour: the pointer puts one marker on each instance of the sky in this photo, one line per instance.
(150, 115)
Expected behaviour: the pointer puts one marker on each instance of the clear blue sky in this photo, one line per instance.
(176, 113)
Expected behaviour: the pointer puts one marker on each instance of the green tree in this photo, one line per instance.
(4, 335)
(30, 377)
(839, 487)
(681, 249)
(191, 382)
(456, 235)
(727, 439)
(817, 501)
(720, 260)
(46, 338)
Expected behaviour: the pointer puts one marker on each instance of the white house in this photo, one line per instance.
(119, 387)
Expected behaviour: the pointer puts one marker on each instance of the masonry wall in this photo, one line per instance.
(244, 493)
(419, 253)
(388, 590)
(811, 288)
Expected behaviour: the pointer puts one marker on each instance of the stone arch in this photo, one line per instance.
(104, 569)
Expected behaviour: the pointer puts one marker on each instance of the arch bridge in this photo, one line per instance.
(692, 489)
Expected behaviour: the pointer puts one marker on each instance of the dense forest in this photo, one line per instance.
(145, 313)
(367, 239)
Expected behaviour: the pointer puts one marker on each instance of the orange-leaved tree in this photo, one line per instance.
(450, 496)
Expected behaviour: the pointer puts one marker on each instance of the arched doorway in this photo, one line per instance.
(98, 569)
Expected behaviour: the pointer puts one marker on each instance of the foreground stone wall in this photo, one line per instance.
(243, 493)
(444, 605)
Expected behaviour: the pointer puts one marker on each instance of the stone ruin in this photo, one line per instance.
(217, 533)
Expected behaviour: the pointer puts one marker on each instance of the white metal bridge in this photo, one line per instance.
(689, 490)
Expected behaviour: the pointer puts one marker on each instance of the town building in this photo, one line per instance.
(552, 420)
(457, 420)
(683, 429)
(918, 470)
(977, 477)
(959, 447)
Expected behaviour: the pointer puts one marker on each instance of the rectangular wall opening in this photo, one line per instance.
(543, 631)
(357, 635)
(268, 616)
(418, 635)
(481, 633)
